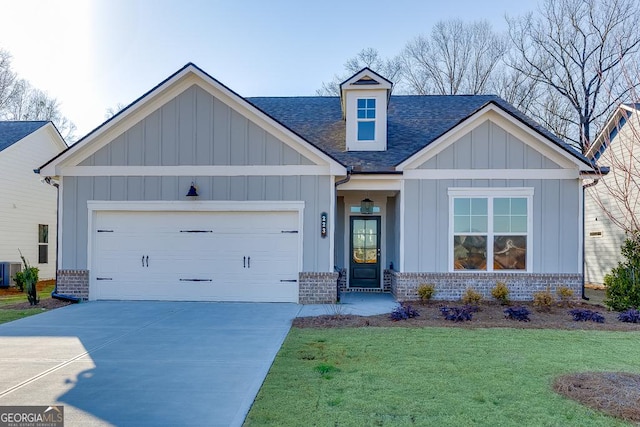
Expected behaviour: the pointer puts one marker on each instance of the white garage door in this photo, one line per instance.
(195, 256)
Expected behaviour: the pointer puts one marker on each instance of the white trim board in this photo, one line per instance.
(491, 174)
(189, 170)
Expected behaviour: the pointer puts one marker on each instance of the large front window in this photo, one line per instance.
(491, 233)
(366, 119)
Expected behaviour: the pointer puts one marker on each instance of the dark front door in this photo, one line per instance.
(364, 267)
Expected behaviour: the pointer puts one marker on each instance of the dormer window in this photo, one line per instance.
(365, 98)
(366, 119)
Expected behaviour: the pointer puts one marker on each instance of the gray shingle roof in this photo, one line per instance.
(12, 132)
(413, 122)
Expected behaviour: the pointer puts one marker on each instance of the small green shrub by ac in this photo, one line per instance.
(623, 283)
(28, 279)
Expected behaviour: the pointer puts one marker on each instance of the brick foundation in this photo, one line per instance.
(451, 286)
(74, 283)
(318, 288)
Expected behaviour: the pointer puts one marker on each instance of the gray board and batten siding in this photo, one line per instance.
(556, 202)
(195, 129)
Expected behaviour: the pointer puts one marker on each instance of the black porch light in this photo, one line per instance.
(193, 192)
(366, 206)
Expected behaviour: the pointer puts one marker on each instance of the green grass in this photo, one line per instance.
(10, 315)
(22, 297)
(435, 376)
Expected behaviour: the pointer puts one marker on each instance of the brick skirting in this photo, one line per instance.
(318, 288)
(451, 286)
(74, 283)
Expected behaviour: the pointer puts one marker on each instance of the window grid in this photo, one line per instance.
(366, 114)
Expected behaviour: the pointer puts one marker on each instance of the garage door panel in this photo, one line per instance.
(206, 256)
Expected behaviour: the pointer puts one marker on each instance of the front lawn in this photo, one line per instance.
(436, 376)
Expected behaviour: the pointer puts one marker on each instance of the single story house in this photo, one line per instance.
(195, 193)
(613, 206)
(27, 206)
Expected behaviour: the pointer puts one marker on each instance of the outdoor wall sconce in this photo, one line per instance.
(366, 206)
(193, 192)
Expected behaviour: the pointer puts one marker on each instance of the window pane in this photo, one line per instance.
(510, 253)
(362, 114)
(43, 233)
(501, 224)
(371, 114)
(461, 206)
(518, 224)
(518, 206)
(366, 131)
(461, 224)
(478, 206)
(470, 252)
(43, 254)
(501, 206)
(362, 103)
(479, 224)
(371, 103)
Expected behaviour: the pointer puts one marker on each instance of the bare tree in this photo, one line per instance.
(21, 101)
(457, 58)
(388, 68)
(112, 111)
(576, 48)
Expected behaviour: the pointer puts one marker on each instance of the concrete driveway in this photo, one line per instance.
(143, 363)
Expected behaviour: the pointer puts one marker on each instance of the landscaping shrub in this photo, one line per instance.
(583, 315)
(403, 312)
(565, 294)
(471, 297)
(501, 293)
(623, 283)
(426, 291)
(30, 279)
(458, 314)
(630, 316)
(517, 313)
(543, 300)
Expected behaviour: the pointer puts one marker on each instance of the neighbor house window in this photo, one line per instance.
(43, 244)
(366, 119)
(491, 233)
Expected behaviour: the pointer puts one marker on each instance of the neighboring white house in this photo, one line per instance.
(196, 193)
(27, 205)
(618, 148)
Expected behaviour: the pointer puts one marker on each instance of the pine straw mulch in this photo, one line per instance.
(490, 315)
(615, 393)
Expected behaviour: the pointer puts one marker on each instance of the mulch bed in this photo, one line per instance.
(45, 303)
(490, 315)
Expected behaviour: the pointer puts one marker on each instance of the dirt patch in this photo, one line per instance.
(45, 303)
(615, 393)
(490, 315)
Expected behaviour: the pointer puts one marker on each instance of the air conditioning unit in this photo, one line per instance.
(7, 271)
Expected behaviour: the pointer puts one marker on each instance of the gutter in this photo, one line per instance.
(54, 294)
(596, 176)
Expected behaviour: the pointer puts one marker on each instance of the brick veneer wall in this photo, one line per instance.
(342, 280)
(73, 282)
(451, 286)
(318, 288)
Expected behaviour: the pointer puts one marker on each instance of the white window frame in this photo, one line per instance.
(490, 194)
(367, 120)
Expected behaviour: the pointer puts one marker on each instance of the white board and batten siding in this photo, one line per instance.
(26, 202)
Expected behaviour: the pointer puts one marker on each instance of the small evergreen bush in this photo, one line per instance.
(518, 313)
(623, 283)
(501, 293)
(471, 297)
(543, 300)
(426, 291)
(583, 315)
(565, 294)
(403, 312)
(630, 316)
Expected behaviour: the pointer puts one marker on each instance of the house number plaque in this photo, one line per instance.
(323, 225)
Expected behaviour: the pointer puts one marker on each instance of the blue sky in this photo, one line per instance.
(94, 54)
